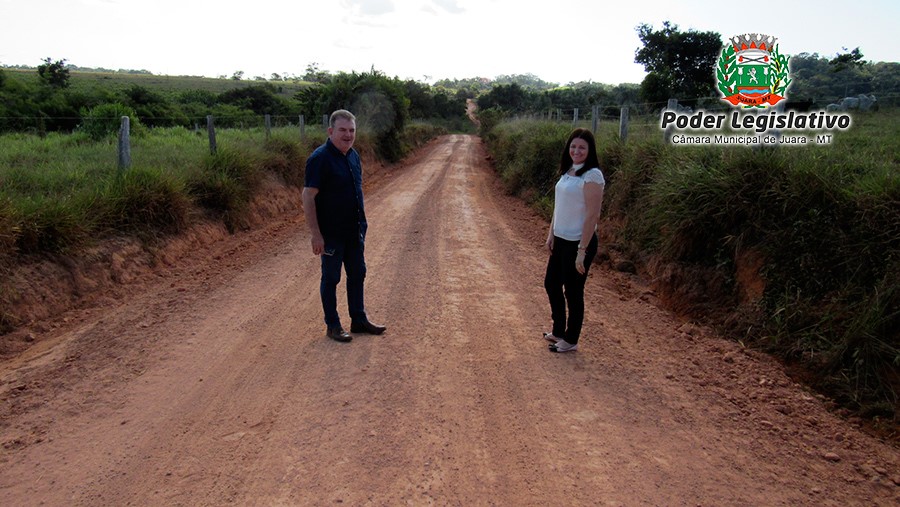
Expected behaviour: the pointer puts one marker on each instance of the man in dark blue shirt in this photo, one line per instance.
(333, 205)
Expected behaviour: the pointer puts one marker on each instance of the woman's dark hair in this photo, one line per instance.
(591, 162)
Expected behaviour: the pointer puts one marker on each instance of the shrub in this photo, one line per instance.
(8, 229)
(488, 119)
(286, 159)
(8, 233)
(146, 199)
(417, 134)
(527, 154)
(106, 119)
(226, 186)
(52, 225)
(233, 116)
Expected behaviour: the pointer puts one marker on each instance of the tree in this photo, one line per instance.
(260, 98)
(238, 75)
(578, 95)
(421, 101)
(447, 106)
(153, 108)
(886, 82)
(314, 74)
(511, 98)
(528, 81)
(847, 60)
(816, 81)
(104, 120)
(471, 85)
(53, 73)
(679, 64)
(379, 103)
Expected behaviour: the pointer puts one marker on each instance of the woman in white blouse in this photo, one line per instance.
(572, 240)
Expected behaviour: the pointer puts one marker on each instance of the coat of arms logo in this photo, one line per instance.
(752, 72)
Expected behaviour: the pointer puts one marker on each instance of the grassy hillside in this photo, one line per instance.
(121, 81)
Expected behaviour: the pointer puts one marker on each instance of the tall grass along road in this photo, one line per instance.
(217, 386)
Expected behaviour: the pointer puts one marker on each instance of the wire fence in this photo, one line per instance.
(633, 120)
(44, 124)
(269, 123)
(644, 119)
(653, 109)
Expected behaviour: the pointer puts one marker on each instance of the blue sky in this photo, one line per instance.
(559, 41)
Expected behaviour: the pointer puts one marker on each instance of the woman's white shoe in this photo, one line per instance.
(563, 346)
(550, 338)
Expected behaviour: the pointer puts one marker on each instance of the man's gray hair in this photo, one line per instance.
(341, 114)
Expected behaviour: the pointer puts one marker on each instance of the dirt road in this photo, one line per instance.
(215, 385)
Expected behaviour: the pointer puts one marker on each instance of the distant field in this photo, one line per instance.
(117, 80)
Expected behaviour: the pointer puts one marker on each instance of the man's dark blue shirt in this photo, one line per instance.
(339, 202)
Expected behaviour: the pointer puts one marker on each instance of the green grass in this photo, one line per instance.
(526, 154)
(65, 190)
(825, 218)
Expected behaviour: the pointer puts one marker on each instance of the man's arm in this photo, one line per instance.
(312, 220)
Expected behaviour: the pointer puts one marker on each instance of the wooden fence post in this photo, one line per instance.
(623, 124)
(595, 119)
(125, 144)
(268, 126)
(302, 127)
(671, 106)
(325, 121)
(575, 118)
(211, 130)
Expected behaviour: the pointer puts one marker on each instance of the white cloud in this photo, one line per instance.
(449, 6)
(370, 7)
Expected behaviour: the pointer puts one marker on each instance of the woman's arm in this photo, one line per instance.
(593, 202)
(549, 242)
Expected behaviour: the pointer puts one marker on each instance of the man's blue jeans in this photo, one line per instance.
(346, 252)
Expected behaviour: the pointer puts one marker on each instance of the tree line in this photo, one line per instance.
(680, 64)
(49, 103)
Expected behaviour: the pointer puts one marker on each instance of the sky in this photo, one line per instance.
(559, 41)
